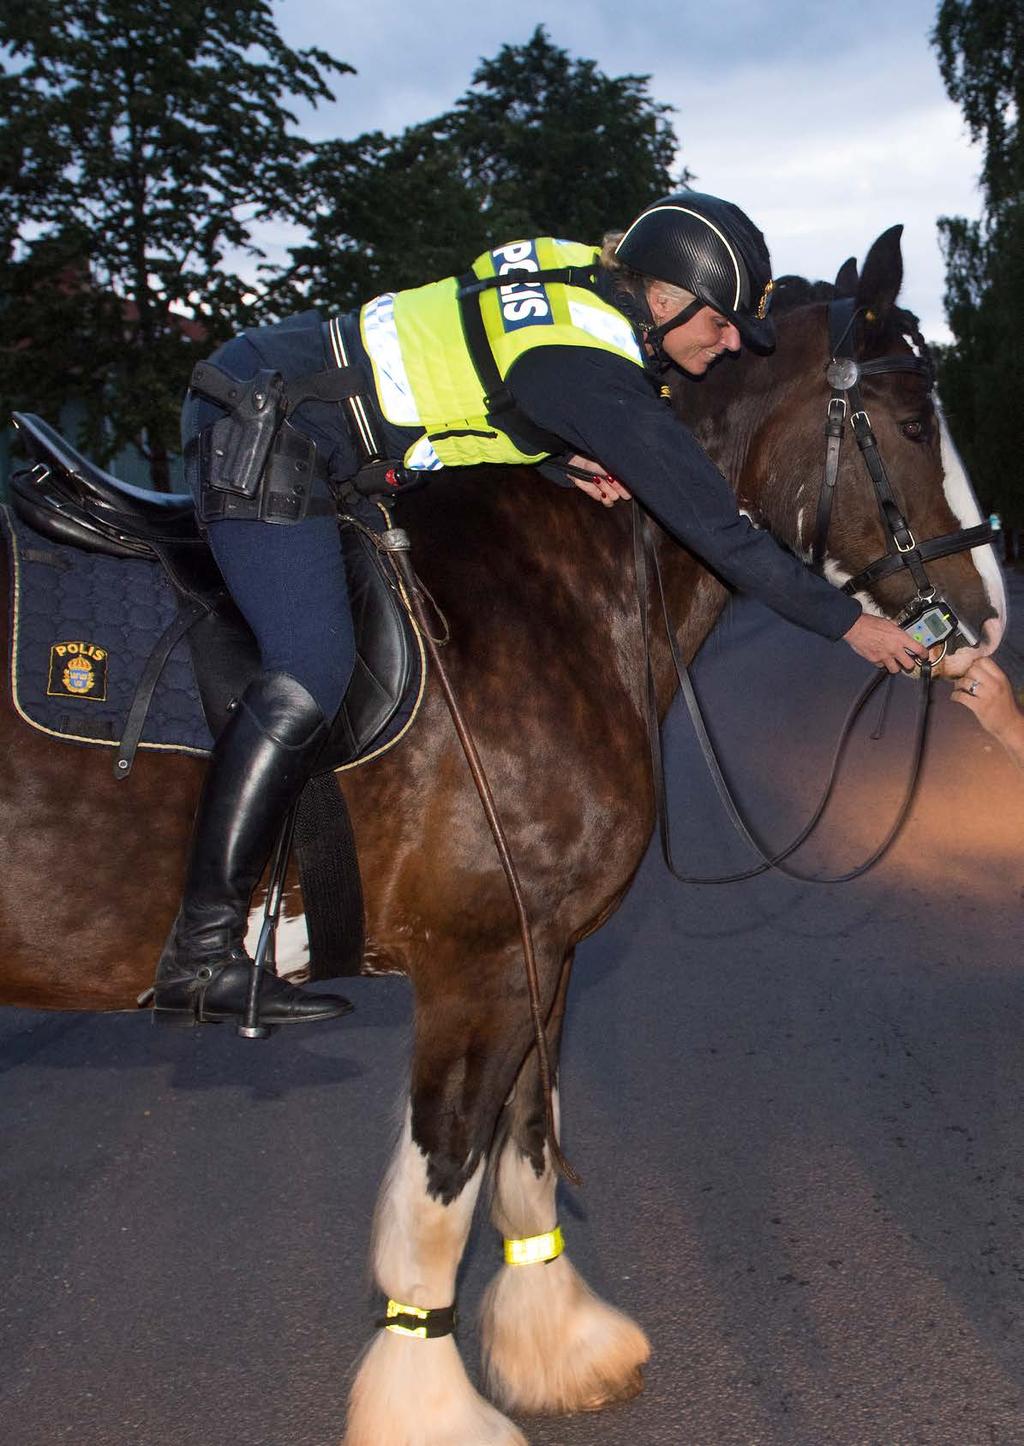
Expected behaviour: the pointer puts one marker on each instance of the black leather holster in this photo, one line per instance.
(252, 463)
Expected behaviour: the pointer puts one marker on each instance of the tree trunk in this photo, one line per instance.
(160, 468)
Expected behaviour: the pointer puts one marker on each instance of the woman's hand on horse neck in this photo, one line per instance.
(604, 489)
(884, 643)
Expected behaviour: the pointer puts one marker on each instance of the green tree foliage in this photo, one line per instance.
(381, 212)
(540, 144)
(558, 148)
(981, 57)
(140, 141)
(980, 44)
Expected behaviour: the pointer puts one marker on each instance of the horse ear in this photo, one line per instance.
(847, 278)
(880, 281)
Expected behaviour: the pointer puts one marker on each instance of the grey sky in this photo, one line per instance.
(827, 123)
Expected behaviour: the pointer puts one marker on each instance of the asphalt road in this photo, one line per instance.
(796, 1109)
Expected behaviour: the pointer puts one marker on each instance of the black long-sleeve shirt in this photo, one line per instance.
(603, 406)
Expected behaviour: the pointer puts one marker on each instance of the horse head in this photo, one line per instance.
(764, 421)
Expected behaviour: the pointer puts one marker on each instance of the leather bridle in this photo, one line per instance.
(844, 375)
(902, 551)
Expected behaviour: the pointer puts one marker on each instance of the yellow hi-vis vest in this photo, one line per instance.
(423, 368)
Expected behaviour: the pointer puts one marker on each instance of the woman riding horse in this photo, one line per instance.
(545, 349)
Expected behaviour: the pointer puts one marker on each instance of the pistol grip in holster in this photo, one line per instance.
(240, 443)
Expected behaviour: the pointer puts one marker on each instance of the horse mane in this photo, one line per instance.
(792, 292)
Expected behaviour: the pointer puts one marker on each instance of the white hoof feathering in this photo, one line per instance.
(416, 1393)
(551, 1345)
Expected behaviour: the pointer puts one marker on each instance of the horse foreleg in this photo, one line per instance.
(412, 1390)
(550, 1344)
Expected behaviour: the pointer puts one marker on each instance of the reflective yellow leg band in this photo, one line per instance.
(412, 1320)
(535, 1249)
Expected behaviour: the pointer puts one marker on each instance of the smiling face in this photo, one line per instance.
(699, 341)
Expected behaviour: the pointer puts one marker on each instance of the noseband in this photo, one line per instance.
(902, 548)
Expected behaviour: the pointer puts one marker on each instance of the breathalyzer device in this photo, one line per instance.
(929, 623)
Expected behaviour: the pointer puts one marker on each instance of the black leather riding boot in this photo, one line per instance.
(259, 764)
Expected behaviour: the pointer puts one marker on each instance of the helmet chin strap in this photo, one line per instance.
(638, 310)
(658, 333)
(655, 335)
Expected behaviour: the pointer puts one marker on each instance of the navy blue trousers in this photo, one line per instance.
(289, 579)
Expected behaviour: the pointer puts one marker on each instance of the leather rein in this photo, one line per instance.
(902, 551)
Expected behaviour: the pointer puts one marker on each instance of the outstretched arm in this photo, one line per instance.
(604, 406)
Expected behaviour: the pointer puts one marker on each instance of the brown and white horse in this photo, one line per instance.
(547, 659)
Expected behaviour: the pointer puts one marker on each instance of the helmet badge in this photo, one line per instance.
(763, 304)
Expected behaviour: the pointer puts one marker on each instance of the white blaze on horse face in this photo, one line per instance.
(964, 506)
(412, 1392)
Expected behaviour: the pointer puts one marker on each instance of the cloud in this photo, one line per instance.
(828, 128)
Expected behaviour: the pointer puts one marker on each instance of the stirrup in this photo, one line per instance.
(265, 957)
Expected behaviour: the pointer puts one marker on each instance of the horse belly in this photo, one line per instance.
(93, 868)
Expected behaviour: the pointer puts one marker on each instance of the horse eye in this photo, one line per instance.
(914, 430)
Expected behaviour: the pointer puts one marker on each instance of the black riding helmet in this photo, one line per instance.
(710, 247)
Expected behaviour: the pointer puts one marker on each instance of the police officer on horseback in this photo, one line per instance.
(544, 349)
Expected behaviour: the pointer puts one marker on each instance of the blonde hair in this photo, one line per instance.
(637, 282)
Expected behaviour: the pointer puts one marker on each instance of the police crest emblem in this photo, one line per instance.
(78, 670)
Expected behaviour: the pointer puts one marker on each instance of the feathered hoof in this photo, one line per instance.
(417, 1393)
(553, 1347)
(626, 1390)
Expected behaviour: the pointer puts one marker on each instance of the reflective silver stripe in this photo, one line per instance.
(612, 329)
(358, 409)
(380, 337)
(421, 456)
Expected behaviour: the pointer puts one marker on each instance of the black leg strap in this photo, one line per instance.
(137, 713)
(424, 1325)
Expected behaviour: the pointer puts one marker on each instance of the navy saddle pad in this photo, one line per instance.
(84, 625)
